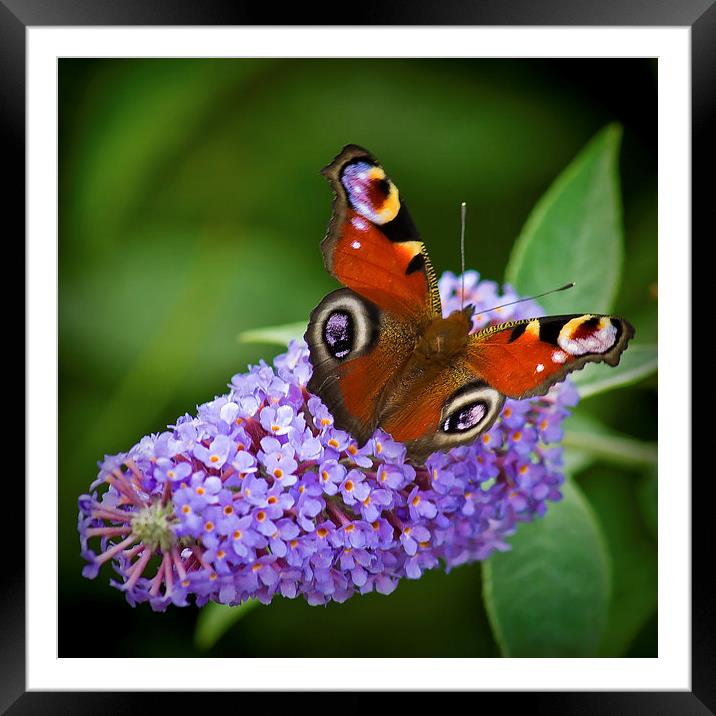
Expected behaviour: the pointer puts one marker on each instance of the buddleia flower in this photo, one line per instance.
(260, 495)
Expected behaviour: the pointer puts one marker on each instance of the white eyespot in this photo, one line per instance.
(355, 244)
(469, 411)
(599, 335)
(465, 418)
(341, 326)
(539, 368)
(559, 356)
(338, 333)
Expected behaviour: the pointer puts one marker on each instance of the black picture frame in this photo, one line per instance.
(699, 15)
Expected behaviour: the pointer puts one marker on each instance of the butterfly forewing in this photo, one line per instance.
(361, 337)
(372, 245)
(525, 358)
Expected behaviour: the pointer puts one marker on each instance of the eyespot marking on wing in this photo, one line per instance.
(342, 326)
(465, 418)
(469, 411)
(588, 334)
(370, 192)
(338, 333)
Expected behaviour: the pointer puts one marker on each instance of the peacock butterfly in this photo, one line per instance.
(384, 356)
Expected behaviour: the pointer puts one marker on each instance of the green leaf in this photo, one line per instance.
(638, 362)
(614, 497)
(216, 619)
(549, 595)
(574, 233)
(278, 335)
(648, 495)
(588, 435)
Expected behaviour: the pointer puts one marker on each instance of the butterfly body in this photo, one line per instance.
(444, 338)
(383, 354)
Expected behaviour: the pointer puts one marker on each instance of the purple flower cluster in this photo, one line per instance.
(260, 494)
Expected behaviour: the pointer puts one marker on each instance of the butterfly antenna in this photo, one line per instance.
(463, 211)
(531, 298)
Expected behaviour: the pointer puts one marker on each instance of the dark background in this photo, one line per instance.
(191, 209)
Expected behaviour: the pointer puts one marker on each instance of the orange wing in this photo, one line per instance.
(356, 351)
(372, 245)
(435, 408)
(522, 359)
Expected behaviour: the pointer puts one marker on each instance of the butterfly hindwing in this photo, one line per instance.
(356, 349)
(441, 409)
(522, 359)
(372, 245)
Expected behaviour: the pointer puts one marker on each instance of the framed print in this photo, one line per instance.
(223, 483)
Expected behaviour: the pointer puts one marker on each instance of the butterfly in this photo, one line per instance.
(384, 356)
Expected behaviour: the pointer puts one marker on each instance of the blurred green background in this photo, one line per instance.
(191, 209)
